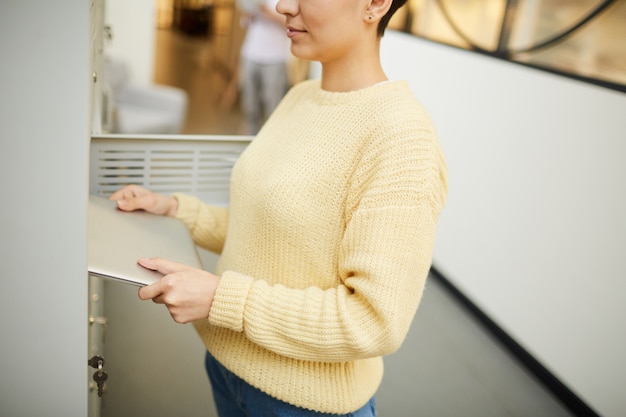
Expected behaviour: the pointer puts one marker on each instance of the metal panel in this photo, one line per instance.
(196, 165)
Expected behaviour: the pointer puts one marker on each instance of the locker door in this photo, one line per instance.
(155, 366)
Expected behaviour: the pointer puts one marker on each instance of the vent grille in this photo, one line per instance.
(200, 167)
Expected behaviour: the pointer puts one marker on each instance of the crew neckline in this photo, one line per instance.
(338, 97)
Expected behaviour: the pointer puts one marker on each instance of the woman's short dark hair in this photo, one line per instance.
(382, 25)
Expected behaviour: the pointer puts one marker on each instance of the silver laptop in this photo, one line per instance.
(118, 239)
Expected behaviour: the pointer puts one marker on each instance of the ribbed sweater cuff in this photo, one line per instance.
(229, 301)
(188, 208)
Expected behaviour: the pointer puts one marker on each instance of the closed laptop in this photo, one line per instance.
(117, 239)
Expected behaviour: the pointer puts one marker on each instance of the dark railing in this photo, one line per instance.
(559, 46)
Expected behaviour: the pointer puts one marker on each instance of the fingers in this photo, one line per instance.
(147, 202)
(134, 197)
(151, 292)
(127, 192)
(165, 267)
(185, 291)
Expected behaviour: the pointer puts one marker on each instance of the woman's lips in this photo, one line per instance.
(293, 32)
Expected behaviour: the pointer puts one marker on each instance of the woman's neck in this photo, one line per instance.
(352, 74)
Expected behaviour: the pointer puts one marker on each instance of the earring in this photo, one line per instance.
(370, 17)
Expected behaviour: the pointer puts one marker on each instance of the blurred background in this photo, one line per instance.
(194, 44)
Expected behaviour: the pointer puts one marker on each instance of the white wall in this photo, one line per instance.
(44, 80)
(133, 25)
(534, 229)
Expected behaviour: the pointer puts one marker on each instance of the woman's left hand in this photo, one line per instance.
(186, 292)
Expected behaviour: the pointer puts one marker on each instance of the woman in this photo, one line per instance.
(328, 239)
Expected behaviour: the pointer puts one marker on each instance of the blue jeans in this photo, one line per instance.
(236, 398)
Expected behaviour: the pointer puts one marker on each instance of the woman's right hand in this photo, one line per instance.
(134, 197)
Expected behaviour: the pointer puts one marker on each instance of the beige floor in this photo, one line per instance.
(195, 65)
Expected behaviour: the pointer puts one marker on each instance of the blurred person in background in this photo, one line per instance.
(263, 63)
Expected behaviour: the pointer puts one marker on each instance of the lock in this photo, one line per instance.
(100, 376)
(96, 362)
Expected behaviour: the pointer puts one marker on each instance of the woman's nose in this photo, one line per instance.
(287, 7)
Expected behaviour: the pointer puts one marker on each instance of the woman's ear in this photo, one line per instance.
(377, 9)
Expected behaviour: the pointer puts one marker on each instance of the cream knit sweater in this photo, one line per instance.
(326, 245)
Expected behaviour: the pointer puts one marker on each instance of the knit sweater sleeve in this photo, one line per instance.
(395, 195)
(208, 224)
(368, 316)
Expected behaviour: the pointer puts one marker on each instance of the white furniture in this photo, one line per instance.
(146, 109)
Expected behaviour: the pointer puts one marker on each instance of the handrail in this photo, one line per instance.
(502, 51)
(506, 26)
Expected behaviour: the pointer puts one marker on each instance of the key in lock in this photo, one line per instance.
(100, 376)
